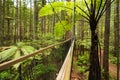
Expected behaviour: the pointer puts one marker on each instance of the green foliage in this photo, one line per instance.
(51, 68)
(27, 49)
(83, 62)
(59, 6)
(5, 75)
(4, 55)
(15, 52)
(61, 27)
(85, 42)
(43, 41)
(17, 55)
(111, 77)
(42, 69)
(113, 59)
(48, 10)
(47, 39)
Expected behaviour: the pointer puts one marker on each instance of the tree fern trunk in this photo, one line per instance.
(94, 73)
(20, 72)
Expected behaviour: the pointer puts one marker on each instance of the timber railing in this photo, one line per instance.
(65, 71)
(22, 58)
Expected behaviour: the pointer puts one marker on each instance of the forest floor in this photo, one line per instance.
(75, 75)
(112, 70)
(112, 67)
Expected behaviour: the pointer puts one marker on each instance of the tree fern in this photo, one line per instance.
(15, 52)
(61, 28)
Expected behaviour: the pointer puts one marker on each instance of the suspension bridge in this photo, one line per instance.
(65, 73)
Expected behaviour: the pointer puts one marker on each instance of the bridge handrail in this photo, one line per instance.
(65, 71)
(14, 61)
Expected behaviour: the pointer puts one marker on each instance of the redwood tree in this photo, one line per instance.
(0, 22)
(36, 18)
(106, 42)
(43, 21)
(16, 23)
(31, 21)
(116, 34)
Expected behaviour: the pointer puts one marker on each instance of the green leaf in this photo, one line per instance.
(17, 55)
(25, 52)
(61, 28)
(27, 49)
(51, 68)
(5, 75)
(56, 7)
(40, 69)
(7, 53)
(20, 44)
(48, 9)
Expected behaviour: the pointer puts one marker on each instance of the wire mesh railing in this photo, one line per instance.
(65, 71)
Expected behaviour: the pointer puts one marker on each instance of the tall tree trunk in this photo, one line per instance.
(20, 72)
(116, 26)
(3, 23)
(116, 34)
(53, 25)
(48, 24)
(82, 29)
(8, 23)
(31, 21)
(81, 34)
(106, 42)
(43, 21)
(20, 37)
(1, 27)
(12, 27)
(24, 20)
(95, 71)
(35, 19)
(16, 23)
(54, 21)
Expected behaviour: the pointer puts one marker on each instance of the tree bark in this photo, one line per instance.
(8, 23)
(24, 20)
(1, 22)
(81, 35)
(31, 21)
(106, 42)
(116, 34)
(21, 32)
(95, 71)
(43, 20)
(35, 19)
